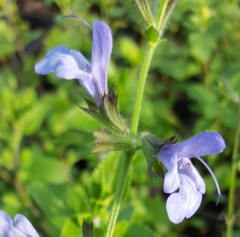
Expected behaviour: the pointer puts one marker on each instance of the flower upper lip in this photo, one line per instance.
(71, 64)
(183, 175)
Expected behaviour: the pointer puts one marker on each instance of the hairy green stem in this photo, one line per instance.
(162, 18)
(126, 161)
(161, 14)
(233, 177)
(121, 186)
(167, 16)
(141, 86)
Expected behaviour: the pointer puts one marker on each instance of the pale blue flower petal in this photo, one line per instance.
(68, 72)
(62, 56)
(70, 64)
(192, 173)
(5, 219)
(171, 179)
(81, 60)
(194, 198)
(183, 175)
(101, 52)
(166, 156)
(10, 231)
(6, 226)
(46, 66)
(176, 208)
(23, 224)
(20, 227)
(87, 81)
(185, 202)
(206, 143)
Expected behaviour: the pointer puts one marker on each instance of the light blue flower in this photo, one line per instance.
(182, 180)
(19, 227)
(70, 64)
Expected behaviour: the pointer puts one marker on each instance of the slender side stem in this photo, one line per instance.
(161, 20)
(161, 13)
(233, 177)
(121, 186)
(141, 86)
(167, 16)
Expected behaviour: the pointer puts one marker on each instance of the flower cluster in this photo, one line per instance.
(182, 181)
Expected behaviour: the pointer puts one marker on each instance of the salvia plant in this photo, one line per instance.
(165, 157)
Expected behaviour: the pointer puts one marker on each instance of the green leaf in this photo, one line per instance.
(32, 119)
(139, 231)
(125, 213)
(129, 50)
(7, 39)
(50, 199)
(121, 228)
(202, 46)
(71, 229)
(106, 173)
(45, 169)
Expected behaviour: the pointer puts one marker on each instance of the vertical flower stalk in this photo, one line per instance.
(161, 15)
(165, 10)
(121, 186)
(142, 81)
(233, 177)
(126, 161)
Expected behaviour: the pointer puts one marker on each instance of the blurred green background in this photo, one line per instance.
(47, 170)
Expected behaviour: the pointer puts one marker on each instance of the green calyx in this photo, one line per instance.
(151, 145)
(115, 134)
(110, 111)
(109, 141)
(107, 115)
(144, 9)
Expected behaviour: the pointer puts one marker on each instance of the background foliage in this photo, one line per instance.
(47, 171)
